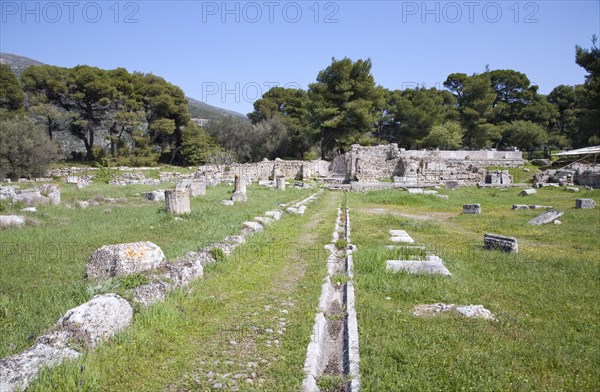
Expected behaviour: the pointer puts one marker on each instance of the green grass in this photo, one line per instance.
(173, 345)
(546, 297)
(43, 263)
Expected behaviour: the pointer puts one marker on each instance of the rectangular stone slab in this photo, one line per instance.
(501, 242)
(418, 267)
(546, 217)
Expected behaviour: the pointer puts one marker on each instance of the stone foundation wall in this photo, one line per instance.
(368, 164)
(266, 170)
(372, 164)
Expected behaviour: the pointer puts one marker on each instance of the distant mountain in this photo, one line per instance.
(18, 64)
(198, 109)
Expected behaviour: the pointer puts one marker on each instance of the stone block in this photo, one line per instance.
(280, 181)
(527, 192)
(98, 319)
(178, 201)
(124, 259)
(158, 195)
(546, 217)
(12, 220)
(471, 209)
(500, 242)
(585, 203)
(418, 267)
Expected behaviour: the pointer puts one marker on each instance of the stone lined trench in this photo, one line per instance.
(332, 354)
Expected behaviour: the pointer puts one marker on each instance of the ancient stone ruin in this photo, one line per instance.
(178, 201)
(365, 165)
(280, 183)
(196, 187)
(585, 203)
(546, 217)
(123, 259)
(500, 242)
(472, 209)
(46, 194)
(239, 192)
(409, 167)
(498, 177)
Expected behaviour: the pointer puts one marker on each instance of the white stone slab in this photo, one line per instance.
(417, 267)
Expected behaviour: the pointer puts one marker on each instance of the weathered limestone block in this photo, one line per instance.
(470, 311)
(124, 259)
(280, 183)
(12, 220)
(498, 177)
(184, 272)
(150, 293)
(158, 195)
(294, 211)
(31, 198)
(546, 217)
(227, 202)
(239, 192)
(254, 226)
(263, 220)
(539, 207)
(19, 370)
(472, 209)
(476, 311)
(572, 189)
(585, 203)
(275, 214)
(520, 207)
(527, 192)
(501, 242)
(52, 192)
(82, 204)
(178, 201)
(98, 319)
(428, 266)
(197, 188)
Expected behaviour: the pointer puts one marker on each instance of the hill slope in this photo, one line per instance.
(17, 63)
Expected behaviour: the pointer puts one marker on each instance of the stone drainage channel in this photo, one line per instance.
(333, 349)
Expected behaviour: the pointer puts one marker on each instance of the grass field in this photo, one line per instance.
(43, 264)
(546, 297)
(246, 325)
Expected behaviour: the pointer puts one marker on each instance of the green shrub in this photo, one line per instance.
(106, 172)
(25, 149)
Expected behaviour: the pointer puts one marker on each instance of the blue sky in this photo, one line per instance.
(228, 54)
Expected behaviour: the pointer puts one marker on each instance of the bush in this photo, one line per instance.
(25, 149)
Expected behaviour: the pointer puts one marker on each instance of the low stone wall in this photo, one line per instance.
(265, 170)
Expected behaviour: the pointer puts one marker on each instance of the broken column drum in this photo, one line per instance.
(239, 193)
(178, 201)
